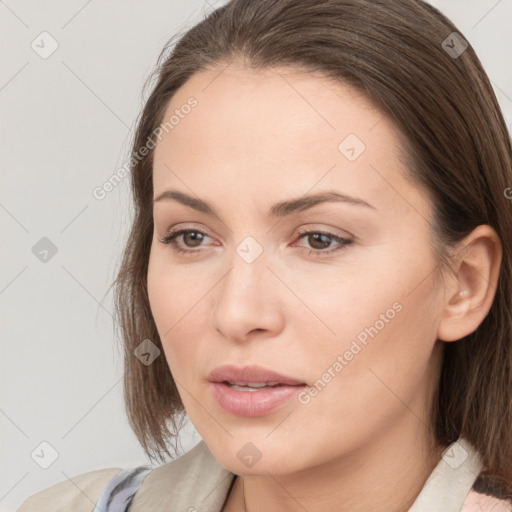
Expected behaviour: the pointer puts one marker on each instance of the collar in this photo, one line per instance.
(197, 481)
(449, 484)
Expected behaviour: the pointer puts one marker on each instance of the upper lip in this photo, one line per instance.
(249, 374)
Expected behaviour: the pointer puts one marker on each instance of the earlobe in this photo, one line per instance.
(470, 295)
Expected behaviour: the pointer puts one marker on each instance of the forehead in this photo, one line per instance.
(279, 127)
(294, 105)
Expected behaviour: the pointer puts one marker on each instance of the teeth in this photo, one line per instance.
(245, 388)
(254, 384)
(250, 386)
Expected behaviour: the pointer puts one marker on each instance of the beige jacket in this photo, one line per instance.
(196, 482)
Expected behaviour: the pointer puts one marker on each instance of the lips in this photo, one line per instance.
(241, 376)
(252, 391)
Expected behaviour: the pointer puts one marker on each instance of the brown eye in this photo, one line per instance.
(320, 243)
(319, 240)
(191, 238)
(194, 237)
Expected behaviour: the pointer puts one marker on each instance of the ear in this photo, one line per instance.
(471, 292)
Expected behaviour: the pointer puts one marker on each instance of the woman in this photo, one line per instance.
(319, 269)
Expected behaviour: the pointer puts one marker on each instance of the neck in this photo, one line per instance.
(383, 476)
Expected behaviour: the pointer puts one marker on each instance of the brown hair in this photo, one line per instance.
(458, 148)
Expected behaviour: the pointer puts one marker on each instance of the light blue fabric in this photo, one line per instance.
(119, 492)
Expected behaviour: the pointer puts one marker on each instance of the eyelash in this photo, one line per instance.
(170, 239)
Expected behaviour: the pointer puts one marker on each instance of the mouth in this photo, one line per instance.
(252, 391)
(252, 401)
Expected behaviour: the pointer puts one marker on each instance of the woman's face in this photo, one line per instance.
(337, 294)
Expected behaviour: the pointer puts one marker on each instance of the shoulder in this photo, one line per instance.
(195, 480)
(487, 495)
(79, 493)
(480, 502)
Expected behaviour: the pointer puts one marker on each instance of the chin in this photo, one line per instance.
(244, 457)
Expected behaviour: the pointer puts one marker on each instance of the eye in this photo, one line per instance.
(318, 240)
(192, 236)
(321, 240)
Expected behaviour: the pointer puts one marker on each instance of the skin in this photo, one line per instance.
(257, 138)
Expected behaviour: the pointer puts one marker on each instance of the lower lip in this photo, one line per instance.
(253, 403)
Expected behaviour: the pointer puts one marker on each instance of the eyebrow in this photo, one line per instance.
(281, 209)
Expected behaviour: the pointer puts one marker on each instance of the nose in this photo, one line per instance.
(248, 301)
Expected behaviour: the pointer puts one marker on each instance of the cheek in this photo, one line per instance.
(364, 295)
(179, 305)
(171, 292)
(360, 388)
(165, 296)
(382, 330)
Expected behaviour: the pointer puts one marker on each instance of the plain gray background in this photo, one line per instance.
(66, 125)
